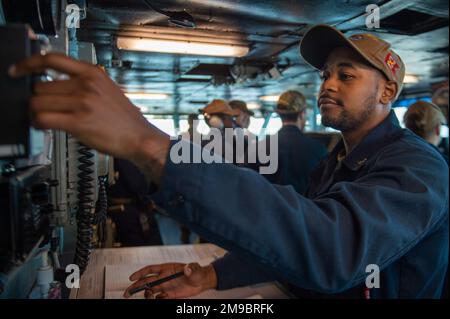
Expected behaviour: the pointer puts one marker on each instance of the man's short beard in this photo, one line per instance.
(347, 122)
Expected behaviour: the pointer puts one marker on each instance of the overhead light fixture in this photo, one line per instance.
(411, 78)
(269, 98)
(253, 106)
(146, 96)
(181, 47)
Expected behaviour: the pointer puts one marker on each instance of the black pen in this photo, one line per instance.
(156, 283)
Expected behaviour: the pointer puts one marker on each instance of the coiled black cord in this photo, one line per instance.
(101, 209)
(85, 216)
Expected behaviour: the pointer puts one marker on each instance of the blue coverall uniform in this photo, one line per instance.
(386, 204)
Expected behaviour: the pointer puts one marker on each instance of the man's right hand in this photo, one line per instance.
(196, 279)
(91, 107)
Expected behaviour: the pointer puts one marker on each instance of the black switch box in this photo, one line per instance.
(15, 94)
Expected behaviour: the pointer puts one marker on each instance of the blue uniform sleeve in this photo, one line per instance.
(233, 271)
(322, 244)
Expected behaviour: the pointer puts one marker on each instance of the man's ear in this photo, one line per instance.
(389, 92)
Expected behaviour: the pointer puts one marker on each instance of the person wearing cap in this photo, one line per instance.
(379, 201)
(219, 114)
(425, 119)
(242, 132)
(291, 107)
(298, 154)
(243, 119)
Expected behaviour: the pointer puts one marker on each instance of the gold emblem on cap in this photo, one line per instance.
(391, 63)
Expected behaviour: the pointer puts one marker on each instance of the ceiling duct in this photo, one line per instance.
(248, 73)
(411, 22)
(217, 73)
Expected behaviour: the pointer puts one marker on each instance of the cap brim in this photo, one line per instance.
(320, 41)
(230, 113)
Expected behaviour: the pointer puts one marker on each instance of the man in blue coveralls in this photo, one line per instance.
(380, 197)
(298, 154)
